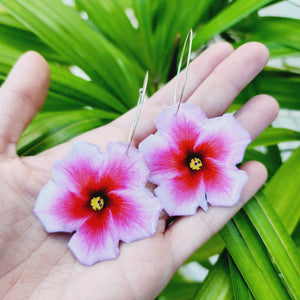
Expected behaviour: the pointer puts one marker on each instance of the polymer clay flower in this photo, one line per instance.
(193, 159)
(101, 196)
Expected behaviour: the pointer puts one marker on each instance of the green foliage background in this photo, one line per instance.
(259, 258)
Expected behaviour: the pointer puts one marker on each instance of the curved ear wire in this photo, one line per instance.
(189, 35)
(139, 106)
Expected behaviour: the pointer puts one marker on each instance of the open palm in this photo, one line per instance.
(38, 265)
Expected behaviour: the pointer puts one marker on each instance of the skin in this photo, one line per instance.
(38, 265)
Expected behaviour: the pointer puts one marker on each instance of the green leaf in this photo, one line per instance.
(212, 247)
(266, 159)
(273, 136)
(70, 92)
(8, 20)
(217, 284)
(296, 236)
(285, 31)
(178, 291)
(103, 15)
(284, 192)
(273, 153)
(14, 35)
(179, 288)
(260, 254)
(246, 263)
(240, 288)
(276, 50)
(162, 31)
(228, 17)
(143, 12)
(54, 22)
(279, 51)
(282, 85)
(67, 91)
(281, 247)
(8, 57)
(50, 129)
(170, 29)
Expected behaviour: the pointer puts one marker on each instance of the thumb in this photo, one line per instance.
(21, 97)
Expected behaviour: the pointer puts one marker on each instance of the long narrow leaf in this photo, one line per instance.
(217, 284)
(296, 236)
(285, 31)
(240, 288)
(178, 289)
(283, 190)
(50, 129)
(14, 35)
(227, 17)
(273, 136)
(67, 92)
(264, 158)
(103, 14)
(282, 85)
(277, 240)
(212, 247)
(54, 22)
(260, 254)
(246, 264)
(65, 87)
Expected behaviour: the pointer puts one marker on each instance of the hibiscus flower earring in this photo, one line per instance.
(101, 196)
(192, 159)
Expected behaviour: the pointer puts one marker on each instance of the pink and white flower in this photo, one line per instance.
(101, 196)
(193, 159)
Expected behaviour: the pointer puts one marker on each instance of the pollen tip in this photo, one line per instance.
(97, 203)
(195, 164)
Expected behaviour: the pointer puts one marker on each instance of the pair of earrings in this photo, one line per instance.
(102, 196)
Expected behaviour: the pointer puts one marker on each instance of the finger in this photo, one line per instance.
(21, 97)
(257, 114)
(224, 84)
(188, 234)
(199, 69)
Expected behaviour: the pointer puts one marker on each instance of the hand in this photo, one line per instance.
(38, 265)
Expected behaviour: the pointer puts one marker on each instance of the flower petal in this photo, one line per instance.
(135, 213)
(59, 209)
(224, 188)
(80, 168)
(95, 240)
(169, 117)
(178, 200)
(127, 168)
(86, 170)
(161, 158)
(223, 139)
(166, 152)
(187, 136)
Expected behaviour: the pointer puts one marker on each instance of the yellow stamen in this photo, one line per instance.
(97, 203)
(196, 164)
